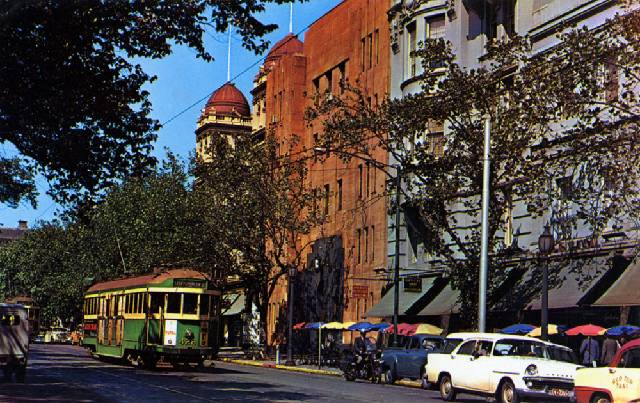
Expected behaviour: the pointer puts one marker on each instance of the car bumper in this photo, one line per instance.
(547, 389)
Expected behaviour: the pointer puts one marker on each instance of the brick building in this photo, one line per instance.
(351, 42)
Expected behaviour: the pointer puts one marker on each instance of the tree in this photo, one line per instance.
(568, 113)
(258, 195)
(71, 97)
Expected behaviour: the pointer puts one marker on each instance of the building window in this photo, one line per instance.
(360, 181)
(411, 49)
(376, 40)
(339, 194)
(373, 243)
(316, 86)
(359, 245)
(368, 177)
(366, 243)
(342, 69)
(370, 52)
(363, 48)
(609, 80)
(434, 27)
(326, 199)
(329, 78)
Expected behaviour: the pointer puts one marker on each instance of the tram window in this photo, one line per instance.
(173, 302)
(190, 304)
(204, 304)
(157, 301)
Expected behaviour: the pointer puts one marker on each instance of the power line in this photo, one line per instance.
(234, 78)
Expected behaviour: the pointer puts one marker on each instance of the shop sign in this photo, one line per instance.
(412, 284)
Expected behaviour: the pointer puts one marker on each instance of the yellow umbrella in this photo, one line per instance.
(537, 332)
(346, 325)
(425, 328)
(333, 325)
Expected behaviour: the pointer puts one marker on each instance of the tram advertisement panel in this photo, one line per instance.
(170, 332)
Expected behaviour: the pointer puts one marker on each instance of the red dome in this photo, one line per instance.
(288, 45)
(228, 100)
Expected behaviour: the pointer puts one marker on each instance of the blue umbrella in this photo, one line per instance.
(313, 325)
(381, 327)
(520, 328)
(361, 327)
(624, 330)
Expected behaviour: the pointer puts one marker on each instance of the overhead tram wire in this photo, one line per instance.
(234, 78)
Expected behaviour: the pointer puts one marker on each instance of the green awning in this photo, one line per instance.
(384, 308)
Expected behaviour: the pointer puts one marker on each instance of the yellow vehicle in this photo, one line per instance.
(618, 383)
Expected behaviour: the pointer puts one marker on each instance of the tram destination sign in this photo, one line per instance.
(188, 283)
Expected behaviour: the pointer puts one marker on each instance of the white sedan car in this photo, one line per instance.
(506, 367)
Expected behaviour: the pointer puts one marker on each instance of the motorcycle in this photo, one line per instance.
(365, 365)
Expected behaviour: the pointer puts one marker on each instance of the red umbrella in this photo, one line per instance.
(585, 330)
(299, 326)
(404, 329)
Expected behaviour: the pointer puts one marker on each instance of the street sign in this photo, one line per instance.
(359, 291)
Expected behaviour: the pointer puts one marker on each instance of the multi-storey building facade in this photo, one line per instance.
(469, 26)
(345, 254)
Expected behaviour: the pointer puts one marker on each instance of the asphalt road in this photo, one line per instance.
(66, 373)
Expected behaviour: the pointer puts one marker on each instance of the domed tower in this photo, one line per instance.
(227, 114)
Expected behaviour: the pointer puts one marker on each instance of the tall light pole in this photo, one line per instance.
(292, 275)
(396, 269)
(545, 246)
(484, 246)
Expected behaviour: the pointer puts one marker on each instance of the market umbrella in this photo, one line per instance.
(313, 325)
(361, 327)
(299, 326)
(624, 330)
(426, 328)
(380, 327)
(552, 329)
(333, 326)
(520, 328)
(586, 330)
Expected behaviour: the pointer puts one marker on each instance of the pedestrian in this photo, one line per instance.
(589, 351)
(610, 347)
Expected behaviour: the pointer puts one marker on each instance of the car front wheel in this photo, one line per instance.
(389, 377)
(447, 391)
(508, 393)
(600, 399)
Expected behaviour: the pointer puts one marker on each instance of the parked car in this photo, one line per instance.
(408, 361)
(60, 335)
(508, 368)
(619, 382)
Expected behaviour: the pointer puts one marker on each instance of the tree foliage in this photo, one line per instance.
(72, 100)
(571, 112)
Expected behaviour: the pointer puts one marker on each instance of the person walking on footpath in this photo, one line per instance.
(589, 351)
(610, 347)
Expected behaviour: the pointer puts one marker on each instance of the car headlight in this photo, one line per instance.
(532, 370)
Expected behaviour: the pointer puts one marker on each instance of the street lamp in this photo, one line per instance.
(398, 182)
(292, 275)
(545, 246)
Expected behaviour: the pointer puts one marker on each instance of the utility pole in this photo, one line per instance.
(396, 271)
(484, 248)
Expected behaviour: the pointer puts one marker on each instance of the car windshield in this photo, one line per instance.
(449, 345)
(519, 348)
(558, 353)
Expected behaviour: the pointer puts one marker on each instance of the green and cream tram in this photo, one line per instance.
(169, 315)
(33, 313)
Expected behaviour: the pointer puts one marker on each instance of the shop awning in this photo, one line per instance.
(625, 291)
(407, 298)
(573, 281)
(446, 302)
(236, 304)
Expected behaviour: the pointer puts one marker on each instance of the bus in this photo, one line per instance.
(33, 313)
(168, 315)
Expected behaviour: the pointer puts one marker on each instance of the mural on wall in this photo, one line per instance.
(319, 289)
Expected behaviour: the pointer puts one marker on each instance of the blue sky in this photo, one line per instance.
(182, 80)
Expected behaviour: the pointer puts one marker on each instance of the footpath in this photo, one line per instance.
(308, 369)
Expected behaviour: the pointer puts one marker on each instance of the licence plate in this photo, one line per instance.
(560, 393)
